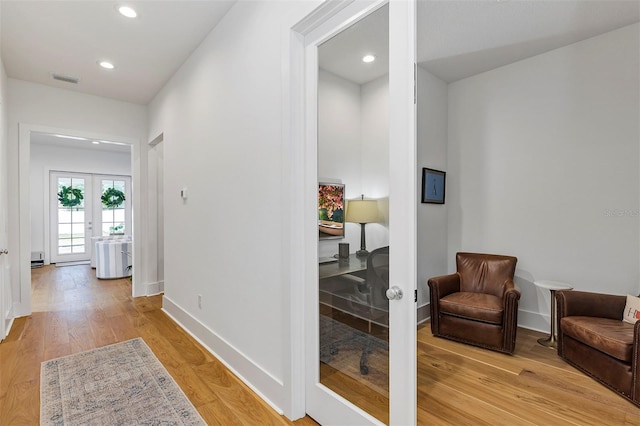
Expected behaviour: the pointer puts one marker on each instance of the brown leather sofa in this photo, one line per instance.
(593, 338)
(478, 304)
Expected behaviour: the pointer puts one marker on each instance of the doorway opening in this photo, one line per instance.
(42, 150)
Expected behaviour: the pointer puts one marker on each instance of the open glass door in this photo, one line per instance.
(360, 314)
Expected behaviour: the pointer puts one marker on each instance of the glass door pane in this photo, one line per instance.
(114, 204)
(353, 174)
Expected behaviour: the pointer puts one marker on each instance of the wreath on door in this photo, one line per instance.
(112, 198)
(69, 196)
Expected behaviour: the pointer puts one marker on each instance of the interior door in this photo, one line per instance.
(341, 319)
(71, 198)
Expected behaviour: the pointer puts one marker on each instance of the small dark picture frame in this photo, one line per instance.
(433, 185)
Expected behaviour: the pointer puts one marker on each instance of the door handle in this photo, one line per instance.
(394, 293)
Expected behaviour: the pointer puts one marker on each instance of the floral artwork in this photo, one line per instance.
(330, 210)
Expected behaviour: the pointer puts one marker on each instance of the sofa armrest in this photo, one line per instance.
(582, 303)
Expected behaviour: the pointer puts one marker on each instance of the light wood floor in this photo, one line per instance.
(457, 384)
(463, 385)
(460, 384)
(74, 312)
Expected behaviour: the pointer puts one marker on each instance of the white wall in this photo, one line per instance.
(353, 144)
(374, 122)
(432, 153)
(221, 115)
(37, 105)
(45, 158)
(543, 164)
(340, 147)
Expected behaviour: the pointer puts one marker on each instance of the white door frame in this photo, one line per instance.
(22, 298)
(52, 201)
(302, 181)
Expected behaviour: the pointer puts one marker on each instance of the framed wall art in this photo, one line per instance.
(433, 186)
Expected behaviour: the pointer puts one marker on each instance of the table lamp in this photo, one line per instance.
(362, 211)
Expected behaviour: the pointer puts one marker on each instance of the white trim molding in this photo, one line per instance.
(251, 374)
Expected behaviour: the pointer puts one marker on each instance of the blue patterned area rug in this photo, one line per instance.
(120, 384)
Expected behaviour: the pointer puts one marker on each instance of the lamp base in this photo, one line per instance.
(362, 253)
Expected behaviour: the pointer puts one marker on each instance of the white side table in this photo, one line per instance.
(552, 286)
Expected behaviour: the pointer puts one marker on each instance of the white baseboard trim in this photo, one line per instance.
(534, 321)
(424, 313)
(7, 327)
(261, 381)
(155, 288)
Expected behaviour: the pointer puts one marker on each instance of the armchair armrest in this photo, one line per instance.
(582, 303)
(438, 288)
(444, 285)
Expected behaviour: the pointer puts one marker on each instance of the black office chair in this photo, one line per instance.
(365, 299)
(376, 285)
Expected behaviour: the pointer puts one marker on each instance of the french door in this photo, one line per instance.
(333, 392)
(83, 206)
(70, 213)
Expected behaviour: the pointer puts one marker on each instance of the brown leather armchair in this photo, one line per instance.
(478, 304)
(593, 338)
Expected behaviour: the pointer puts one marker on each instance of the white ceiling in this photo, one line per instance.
(458, 39)
(342, 54)
(69, 37)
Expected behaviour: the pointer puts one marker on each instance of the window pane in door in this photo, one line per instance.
(113, 215)
(71, 227)
(78, 216)
(107, 215)
(77, 232)
(64, 215)
(64, 231)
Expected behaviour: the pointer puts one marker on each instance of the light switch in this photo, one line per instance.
(183, 193)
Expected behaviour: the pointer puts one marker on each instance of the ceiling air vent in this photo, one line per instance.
(65, 78)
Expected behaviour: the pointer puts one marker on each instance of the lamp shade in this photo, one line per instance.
(362, 211)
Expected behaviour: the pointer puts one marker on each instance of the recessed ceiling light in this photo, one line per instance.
(106, 64)
(368, 58)
(127, 11)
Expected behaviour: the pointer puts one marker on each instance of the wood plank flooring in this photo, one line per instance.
(457, 384)
(74, 312)
(461, 384)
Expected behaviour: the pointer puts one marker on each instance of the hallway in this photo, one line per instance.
(73, 312)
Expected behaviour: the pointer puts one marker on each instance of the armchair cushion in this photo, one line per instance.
(613, 337)
(473, 306)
